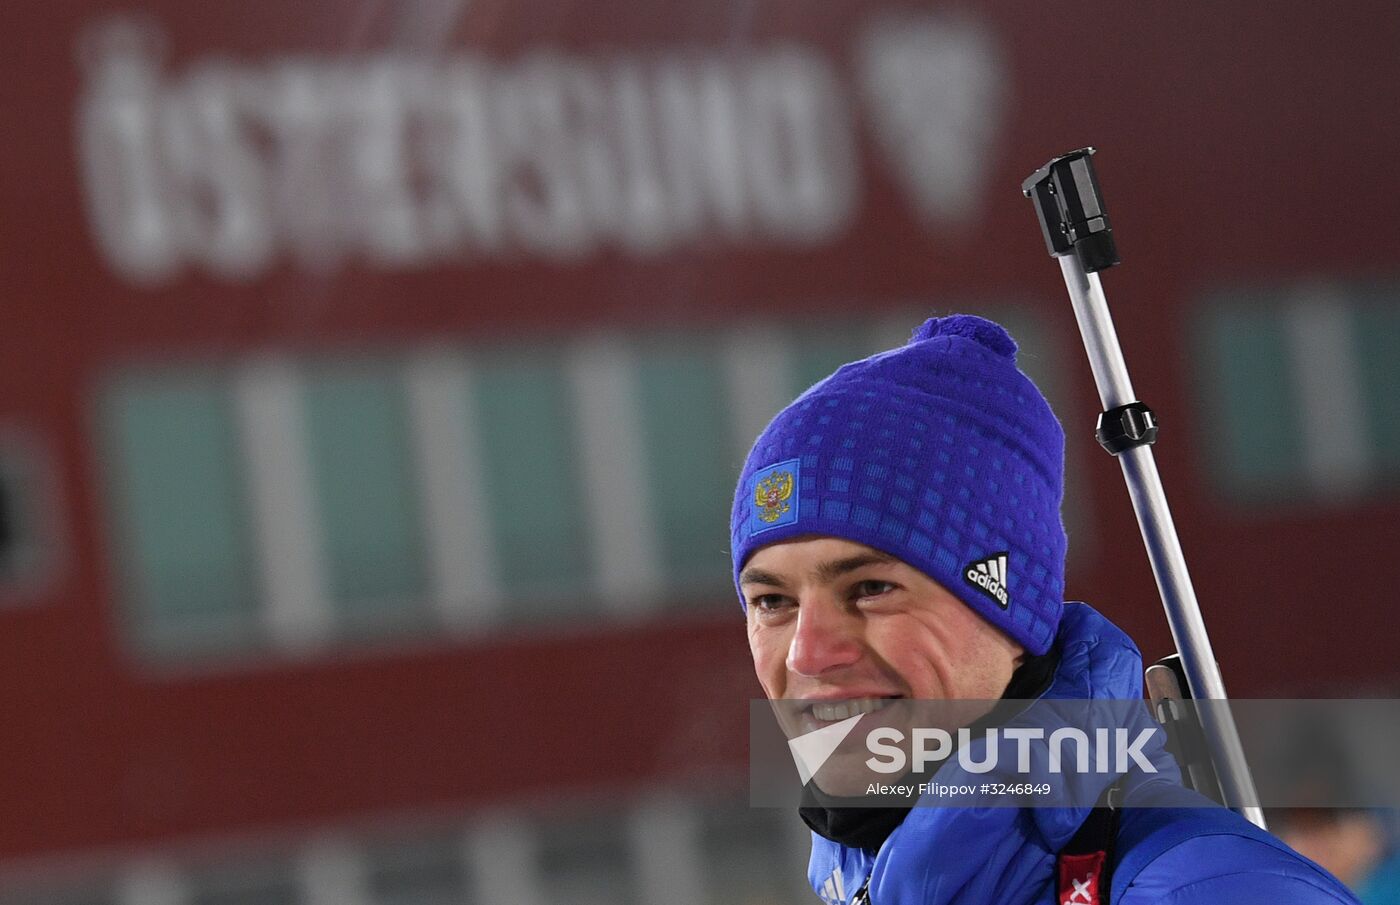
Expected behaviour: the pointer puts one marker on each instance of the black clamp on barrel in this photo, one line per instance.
(1126, 426)
(1072, 217)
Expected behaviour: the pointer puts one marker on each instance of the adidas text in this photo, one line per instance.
(990, 575)
(988, 584)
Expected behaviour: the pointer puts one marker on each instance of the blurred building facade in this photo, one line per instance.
(373, 379)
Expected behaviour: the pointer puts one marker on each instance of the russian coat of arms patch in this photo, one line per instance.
(775, 495)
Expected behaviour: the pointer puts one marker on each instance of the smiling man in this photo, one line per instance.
(896, 535)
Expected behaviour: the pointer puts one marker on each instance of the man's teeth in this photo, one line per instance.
(844, 710)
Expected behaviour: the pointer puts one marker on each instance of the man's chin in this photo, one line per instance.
(846, 775)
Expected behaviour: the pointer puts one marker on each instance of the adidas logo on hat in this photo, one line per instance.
(989, 576)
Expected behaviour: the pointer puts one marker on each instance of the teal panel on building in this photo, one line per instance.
(1378, 348)
(1245, 388)
(686, 431)
(532, 487)
(358, 446)
(180, 526)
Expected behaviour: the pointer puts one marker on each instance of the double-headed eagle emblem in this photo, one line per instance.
(771, 495)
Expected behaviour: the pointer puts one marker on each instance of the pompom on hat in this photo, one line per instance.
(941, 453)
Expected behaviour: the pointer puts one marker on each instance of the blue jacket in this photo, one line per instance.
(1182, 850)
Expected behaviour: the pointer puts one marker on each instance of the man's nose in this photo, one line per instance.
(826, 638)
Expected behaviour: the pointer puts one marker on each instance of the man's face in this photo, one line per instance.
(834, 620)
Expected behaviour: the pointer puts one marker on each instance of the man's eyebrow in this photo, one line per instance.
(829, 571)
(758, 576)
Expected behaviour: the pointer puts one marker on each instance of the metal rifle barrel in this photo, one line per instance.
(1163, 546)
(1078, 234)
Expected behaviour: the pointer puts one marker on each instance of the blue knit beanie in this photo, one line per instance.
(941, 453)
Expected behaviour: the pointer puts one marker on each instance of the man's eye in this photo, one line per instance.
(768, 602)
(872, 588)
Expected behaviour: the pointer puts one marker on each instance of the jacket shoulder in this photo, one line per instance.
(1210, 854)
